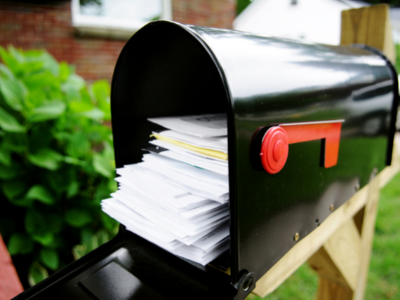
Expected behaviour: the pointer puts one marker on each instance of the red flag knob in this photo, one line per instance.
(274, 149)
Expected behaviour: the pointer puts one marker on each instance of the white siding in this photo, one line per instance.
(310, 20)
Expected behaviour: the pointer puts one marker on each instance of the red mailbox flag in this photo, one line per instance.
(275, 145)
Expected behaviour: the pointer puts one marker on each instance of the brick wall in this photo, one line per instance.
(33, 26)
(212, 13)
(30, 26)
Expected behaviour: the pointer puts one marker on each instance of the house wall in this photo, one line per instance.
(34, 26)
(316, 21)
(212, 13)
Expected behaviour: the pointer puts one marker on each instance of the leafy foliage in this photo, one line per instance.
(397, 66)
(241, 5)
(56, 161)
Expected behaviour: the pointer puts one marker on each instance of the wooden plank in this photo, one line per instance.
(328, 290)
(322, 263)
(367, 236)
(369, 26)
(344, 249)
(301, 252)
(389, 48)
(337, 263)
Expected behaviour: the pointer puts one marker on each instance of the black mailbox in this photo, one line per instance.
(307, 124)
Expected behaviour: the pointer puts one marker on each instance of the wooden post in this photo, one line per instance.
(369, 26)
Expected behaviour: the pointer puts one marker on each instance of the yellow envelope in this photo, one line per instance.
(204, 151)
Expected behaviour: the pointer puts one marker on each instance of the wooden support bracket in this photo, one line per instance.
(339, 249)
(342, 262)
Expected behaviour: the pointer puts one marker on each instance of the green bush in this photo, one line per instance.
(56, 162)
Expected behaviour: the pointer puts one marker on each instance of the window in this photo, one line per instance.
(117, 18)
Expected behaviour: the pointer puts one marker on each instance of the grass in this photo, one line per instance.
(384, 273)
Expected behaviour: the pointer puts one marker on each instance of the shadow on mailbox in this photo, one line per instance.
(330, 111)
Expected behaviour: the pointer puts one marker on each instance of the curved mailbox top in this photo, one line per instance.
(170, 69)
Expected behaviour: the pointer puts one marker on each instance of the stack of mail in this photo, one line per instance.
(177, 197)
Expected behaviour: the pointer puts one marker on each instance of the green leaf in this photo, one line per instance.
(65, 71)
(86, 236)
(78, 251)
(60, 179)
(95, 114)
(78, 145)
(13, 189)
(72, 189)
(101, 91)
(17, 54)
(37, 273)
(42, 226)
(75, 82)
(88, 239)
(112, 185)
(102, 191)
(108, 222)
(78, 217)
(5, 156)
(46, 158)
(40, 136)
(41, 80)
(103, 165)
(47, 111)
(80, 106)
(38, 192)
(46, 239)
(50, 63)
(57, 242)
(14, 141)
(7, 173)
(14, 93)
(23, 202)
(5, 72)
(10, 61)
(20, 243)
(9, 123)
(56, 222)
(50, 258)
(102, 237)
(74, 161)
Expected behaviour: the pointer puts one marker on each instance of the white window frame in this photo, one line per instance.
(111, 27)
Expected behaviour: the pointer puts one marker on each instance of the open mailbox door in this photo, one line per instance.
(307, 124)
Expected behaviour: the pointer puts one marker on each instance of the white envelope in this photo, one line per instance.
(211, 125)
(215, 143)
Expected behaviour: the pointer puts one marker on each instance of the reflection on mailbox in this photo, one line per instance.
(307, 124)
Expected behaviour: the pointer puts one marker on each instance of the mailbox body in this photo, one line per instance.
(170, 69)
